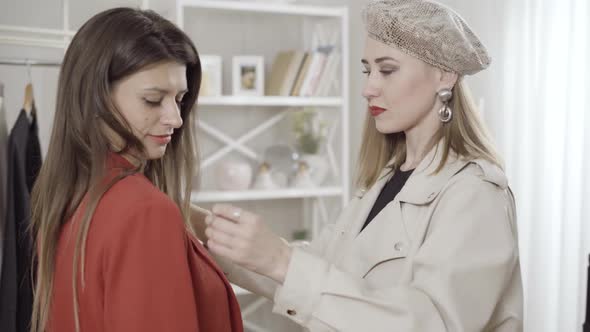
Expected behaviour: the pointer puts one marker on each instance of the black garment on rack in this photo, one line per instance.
(388, 193)
(587, 320)
(24, 163)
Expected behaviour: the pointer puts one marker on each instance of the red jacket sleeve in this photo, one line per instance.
(148, 284)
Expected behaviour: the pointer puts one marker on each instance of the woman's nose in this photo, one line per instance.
(171, 116)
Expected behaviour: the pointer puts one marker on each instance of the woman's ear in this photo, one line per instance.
(447, 79)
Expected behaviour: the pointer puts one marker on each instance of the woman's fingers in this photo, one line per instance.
(243, 238)
(234, 213)
(198, 218)
(223, 225)
(220, 237)
(227, 211)
(221, 250)
(225, 240)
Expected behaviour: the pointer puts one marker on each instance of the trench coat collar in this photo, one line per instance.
(424, 184)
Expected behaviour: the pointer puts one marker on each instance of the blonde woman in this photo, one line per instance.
(110, 206)
(431, 245)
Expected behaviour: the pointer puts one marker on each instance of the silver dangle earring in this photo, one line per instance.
(445, 113)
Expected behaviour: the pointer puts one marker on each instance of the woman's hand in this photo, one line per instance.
(243, 238)
(197, 219)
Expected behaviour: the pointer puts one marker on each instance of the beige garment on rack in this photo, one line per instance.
(3, 171)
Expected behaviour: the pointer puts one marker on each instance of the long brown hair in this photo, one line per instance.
(110, 46)
(466, 135)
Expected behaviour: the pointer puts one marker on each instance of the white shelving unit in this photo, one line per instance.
(313, 199)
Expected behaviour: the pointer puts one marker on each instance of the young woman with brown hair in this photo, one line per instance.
(111, 205)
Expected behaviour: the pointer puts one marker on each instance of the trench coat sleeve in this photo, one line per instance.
(460, 272)
(260, 284)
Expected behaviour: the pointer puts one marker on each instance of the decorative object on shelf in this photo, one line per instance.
(300, 238)
(310, 133)
(234, 175)
(309, 129)
(283, 159)
(300, 235)
(319, 167)
(303, 178)
(211, 80)
(264, 178)
(248, 75)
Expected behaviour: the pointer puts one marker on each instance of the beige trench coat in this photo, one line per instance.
(442, 256)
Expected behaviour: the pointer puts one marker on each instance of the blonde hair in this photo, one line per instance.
(465, 134)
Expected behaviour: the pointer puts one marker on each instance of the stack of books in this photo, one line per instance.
(304, 74)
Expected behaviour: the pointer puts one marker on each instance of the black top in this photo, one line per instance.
(388, 193)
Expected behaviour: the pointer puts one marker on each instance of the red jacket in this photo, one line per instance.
(143, 271)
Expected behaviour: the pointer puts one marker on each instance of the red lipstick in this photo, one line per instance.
(161, 139)
(376, 110)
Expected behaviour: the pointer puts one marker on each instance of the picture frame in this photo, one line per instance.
(248, 75)
(211, 76)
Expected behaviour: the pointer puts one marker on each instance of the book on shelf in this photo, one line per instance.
(312, 75)
(284, 72)
(329, 77)
(296, 90)
(304, 74)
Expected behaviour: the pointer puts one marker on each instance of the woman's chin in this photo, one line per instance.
(387, 128)
(156, 152)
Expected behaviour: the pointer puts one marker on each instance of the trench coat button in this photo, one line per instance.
(291, 312)
(399, 246)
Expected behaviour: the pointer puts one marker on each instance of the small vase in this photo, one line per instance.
(234, 175)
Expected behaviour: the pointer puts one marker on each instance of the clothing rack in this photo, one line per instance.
(29, 63)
